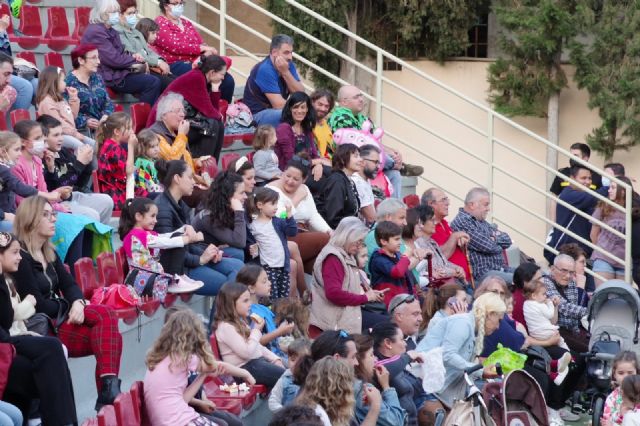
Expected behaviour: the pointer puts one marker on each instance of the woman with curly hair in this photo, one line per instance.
(328, 389)
(181, 349)
(222, 219)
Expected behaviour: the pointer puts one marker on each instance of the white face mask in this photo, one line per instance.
(38, 147)
(606, 181)
(177, 10)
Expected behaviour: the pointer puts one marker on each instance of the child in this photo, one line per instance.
(285, 391)
(271, 234)
(10, 185)
(116, 141)
(372, 312)
(540, 313)
(631, 401)
(508, 300)
(142, 246)
(239, 344)
(390, 269)
(149, 30)
(50, 101)
(265, 161)
(64, 169)
(145, 175)
(624, 364)
(181, 348)
(256, 280)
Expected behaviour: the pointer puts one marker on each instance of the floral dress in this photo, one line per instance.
(94, 99)
(612, 406)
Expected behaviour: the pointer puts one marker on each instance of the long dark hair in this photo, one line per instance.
(128, 215)
(329, 343)
(168, 169)
(287, 117)
(218, 199)
(211, 62)
(261, 195)
(524, 273)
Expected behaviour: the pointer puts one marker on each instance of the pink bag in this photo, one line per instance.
(117, 296)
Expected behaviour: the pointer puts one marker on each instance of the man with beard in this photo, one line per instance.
(370, 155)
(323, 102)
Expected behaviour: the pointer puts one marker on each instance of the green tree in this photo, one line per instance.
(608, 66)
(528, 79)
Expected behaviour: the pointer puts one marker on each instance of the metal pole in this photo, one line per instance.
(490, 148)
(627, 237)
(379, 67)
(223, 27)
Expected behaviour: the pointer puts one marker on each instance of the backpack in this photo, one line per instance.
(239, 118)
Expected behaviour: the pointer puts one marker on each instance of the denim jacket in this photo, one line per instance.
(391, 413)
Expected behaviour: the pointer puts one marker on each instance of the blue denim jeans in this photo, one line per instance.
(214, 275)
(234, 253)
(25, 89)
(394, 177)
(268, 116)
(10, 415)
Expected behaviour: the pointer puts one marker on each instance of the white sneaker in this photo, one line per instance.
(184, 284)
(567, 415)
(560, 377)
(554, 417)
(564, 361)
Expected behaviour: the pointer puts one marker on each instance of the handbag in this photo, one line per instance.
(7, 353)
(138, 68)
(149, 283)
(61, 316)
(39, 323)
(202, 124)
(116, 296)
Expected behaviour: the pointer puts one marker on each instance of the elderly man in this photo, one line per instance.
(370, 155)
(486, 244)
(451, 243)
(349, 115)
(271, 81)
(560, 282)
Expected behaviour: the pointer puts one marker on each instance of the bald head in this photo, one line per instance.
(351, 97)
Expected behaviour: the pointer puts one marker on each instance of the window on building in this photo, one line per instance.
(478, 38)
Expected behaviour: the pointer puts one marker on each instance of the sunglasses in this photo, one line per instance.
(302, 161)
(5, 239)
(410, 298)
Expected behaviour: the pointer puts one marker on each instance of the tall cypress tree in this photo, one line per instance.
(608, 66)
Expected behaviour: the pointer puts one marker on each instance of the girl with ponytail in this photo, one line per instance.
(440, 302)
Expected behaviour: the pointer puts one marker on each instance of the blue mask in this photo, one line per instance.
(177, 10)
(132, 20)
(114, 18)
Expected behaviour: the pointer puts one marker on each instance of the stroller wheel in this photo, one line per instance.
(576, 403)
(598, 408)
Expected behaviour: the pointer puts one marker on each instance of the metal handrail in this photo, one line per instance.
(492, 141)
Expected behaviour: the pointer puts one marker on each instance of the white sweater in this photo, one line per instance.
(305, 211)
(538, 317)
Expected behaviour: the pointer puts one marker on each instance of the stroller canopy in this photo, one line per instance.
(614, 289)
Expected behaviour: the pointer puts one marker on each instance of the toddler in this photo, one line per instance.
(285, 391)
(265, 161)
(540, 313)
(631, 401)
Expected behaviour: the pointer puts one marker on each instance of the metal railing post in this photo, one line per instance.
(223, 27)
(379, 69)
(490, 148)
(628, 264)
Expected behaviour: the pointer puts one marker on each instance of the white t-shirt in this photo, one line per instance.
(365, 193)
(538, 317)
(271, 249)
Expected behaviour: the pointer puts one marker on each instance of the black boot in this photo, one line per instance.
(109, 390)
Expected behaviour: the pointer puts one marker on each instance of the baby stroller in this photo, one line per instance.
(517, 400)
(471, 411)
(613, 323)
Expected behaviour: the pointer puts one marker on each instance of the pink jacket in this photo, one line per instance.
(65, 112)
(237, 350)
(25, 172)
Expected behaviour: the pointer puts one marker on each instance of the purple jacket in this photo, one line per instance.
(114, 61)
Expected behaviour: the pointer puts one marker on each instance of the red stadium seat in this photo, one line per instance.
(210, 167)
(86, 276)
(57, 35)
(3, 122)
(228, 159)
(92, 421)
(245, 138)
(81, 15)
(118, 108)
(137, 395)
(30, 27)
(19, 115)
(139, 114)
(107, 416)
(27, 56)
(108, 272)
(53, 59)
(126, 413)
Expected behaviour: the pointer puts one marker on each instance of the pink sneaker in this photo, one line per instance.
(184, 284)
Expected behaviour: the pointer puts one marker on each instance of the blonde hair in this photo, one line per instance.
(330, 385)
(8, 139)
(25, 225)
(484, 305)
(262, 136)
(181, 337)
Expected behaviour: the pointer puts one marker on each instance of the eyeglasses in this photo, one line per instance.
(5, 239)
(302, 161)
(565, 271)
(49, 215)
(178, 111)
(409, 298)
(375, 162)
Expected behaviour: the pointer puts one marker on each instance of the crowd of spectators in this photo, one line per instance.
(388, 283)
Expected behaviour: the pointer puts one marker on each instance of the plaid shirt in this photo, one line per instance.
(486, 244)
(569, 311)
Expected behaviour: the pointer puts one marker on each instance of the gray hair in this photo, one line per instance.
(389, 207)
(100, 12)
(475, 193)
(164, 105)
(428, 196)
(368, 149)
(280, 39)
(349, 230)
(559, 258)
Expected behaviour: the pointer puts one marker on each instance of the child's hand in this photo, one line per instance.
(288, 208)
(72, 92)
(5, 21)
(65, 192)
(254, 250)
(206, 406)
(48, 160)
(196, 237)
(556, 300)
(133, 140)
(258, 321)
(85, 154)
(285, 328)
(249, 379)
(138, 57)
(372, 396)
(53, 196)
(183, 127)
(92, 123)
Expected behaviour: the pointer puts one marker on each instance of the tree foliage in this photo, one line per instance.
(534, 34)
(437, 29)
(608, 67)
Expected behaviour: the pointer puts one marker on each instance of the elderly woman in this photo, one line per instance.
(84, 329)
(294, 192)
(200, 89)
(95, 104)
(337, 291)
(340, 197)
(462, 338)
(180, 44)
(135, 43)
(121, 71)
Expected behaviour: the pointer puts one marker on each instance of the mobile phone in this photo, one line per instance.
(452, 301)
